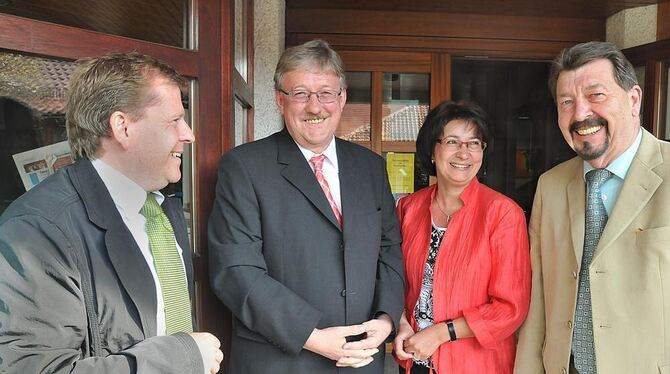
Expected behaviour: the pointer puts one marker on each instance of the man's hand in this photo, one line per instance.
(404, 332)
(210, 351)
(376, 330)
(330, 342)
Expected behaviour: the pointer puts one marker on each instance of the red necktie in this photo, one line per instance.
(317, 164)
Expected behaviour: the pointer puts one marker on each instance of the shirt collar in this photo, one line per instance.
(330, 152)
(621, 164)
(128, 196)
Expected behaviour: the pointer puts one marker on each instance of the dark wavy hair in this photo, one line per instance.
(437, 118)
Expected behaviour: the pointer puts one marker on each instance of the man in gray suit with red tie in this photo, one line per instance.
(304, 240)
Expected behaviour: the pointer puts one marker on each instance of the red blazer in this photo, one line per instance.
(482, 272)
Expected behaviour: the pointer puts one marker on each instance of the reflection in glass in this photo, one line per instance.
(640, 73)
(525, 139)
(406, 104)
(666, 125)
(355, 123)
(32, 115)
(241, 37)
(240, 123)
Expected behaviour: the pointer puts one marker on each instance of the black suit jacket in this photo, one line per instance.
(46, 235)
(281, 263)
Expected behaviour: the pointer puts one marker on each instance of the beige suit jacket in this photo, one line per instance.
(630, 272)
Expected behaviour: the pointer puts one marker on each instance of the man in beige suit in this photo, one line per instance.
(612, 314)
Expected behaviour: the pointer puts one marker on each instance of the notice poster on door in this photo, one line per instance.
(400, 168)
(37, 164)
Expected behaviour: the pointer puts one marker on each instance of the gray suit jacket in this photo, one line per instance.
(630, 271)
(280, 262)
(64, 224)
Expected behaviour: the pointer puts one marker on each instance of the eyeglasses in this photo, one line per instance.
(302, 96)
(474, 145)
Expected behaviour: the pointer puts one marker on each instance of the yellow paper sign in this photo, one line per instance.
(400, 168)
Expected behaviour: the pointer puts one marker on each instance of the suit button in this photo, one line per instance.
(343, 293)
(569, 324)
(341, 246)
(564, 371)
(574, 274)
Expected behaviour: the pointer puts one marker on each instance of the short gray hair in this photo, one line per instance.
(581, 54)
(315, 55)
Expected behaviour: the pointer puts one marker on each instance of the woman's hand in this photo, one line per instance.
(425, 342)
(404, 332)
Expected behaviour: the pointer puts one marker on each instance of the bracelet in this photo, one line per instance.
(452, 331)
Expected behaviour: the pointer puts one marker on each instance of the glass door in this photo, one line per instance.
(389, 95)
(525, 138)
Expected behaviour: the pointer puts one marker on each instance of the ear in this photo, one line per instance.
(280, 99)
(119, 122)
(636, 100)
(343, 99)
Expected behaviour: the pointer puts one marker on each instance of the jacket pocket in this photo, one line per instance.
(656, 239)
(243, 332)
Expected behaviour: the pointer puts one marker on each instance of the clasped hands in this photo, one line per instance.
(421, 345)
(332, 342)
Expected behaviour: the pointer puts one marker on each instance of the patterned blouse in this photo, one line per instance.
(423, 310)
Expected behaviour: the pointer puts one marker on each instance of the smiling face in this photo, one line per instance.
(156, 139)
(597, 117)
(456, 167)
(311, 124)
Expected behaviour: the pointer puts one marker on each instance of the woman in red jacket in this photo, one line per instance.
(466, 256)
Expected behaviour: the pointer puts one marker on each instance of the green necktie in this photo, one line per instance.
(168, 268)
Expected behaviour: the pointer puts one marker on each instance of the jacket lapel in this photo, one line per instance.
(640, 184)
(299, 174)
(576, 195)
(121, 247)
(350, 181)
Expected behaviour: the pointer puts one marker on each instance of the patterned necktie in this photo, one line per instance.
(317, 164)
(169, 268)
(583, 346)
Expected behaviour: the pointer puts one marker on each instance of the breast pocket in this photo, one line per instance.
(656, 241)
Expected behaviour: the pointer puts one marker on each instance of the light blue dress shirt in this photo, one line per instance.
(619, 168)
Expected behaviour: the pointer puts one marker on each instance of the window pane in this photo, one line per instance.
(240, 123)
(640, 73)
(524, 139)
(32, 122)
(184, 188)
(355, 123)
(241, 37)
(406, 104)
(665, 127)
(33, 139)
(158, 21)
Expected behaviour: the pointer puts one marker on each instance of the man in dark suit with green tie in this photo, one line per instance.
(95, 261)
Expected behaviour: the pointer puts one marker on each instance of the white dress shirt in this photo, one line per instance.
(330, 170)
(129, 198)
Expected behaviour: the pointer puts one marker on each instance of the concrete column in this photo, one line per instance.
(632, 27)
(268, 46)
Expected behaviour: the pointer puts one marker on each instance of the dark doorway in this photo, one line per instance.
(525, 139)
